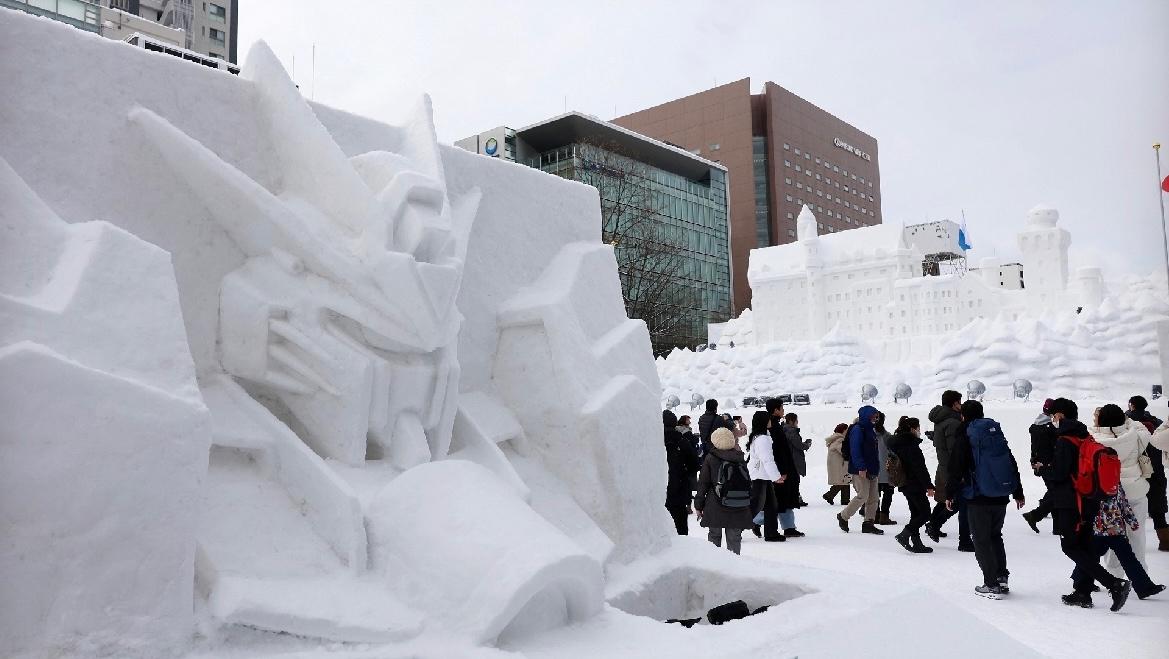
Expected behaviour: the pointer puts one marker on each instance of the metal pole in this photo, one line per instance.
(1161, 198)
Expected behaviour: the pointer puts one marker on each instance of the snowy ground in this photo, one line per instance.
(839, 594)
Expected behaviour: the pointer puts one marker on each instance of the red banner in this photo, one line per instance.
(1165, 184)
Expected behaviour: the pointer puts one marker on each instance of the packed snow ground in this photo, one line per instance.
(841, 593)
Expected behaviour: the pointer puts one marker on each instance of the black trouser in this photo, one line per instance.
(919, 511)
(844, 491)
(941, 515)
(1042, 510)
(763, 498)
(1080, 547)
(887, 491)
(681, 515)
(986, 523)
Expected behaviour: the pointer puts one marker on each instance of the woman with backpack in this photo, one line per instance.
(764, 473)
(1129, 439)
(1111, 527)
(723, 499)
(915, 483)
(838, 478)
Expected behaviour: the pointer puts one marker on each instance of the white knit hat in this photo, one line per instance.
(723, 439)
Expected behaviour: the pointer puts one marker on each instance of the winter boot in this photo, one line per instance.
(1163, 539)
(829, 496)
(883, 520)
(932, 533)
(1032, 520)
(918, 546)
(793, 533)
(965, 544)
(756, 531)
(870, 527)
(843, 523)
(1083, 600)
(1119, 594)
(989, 592)
(903, 539)
(1157, 588)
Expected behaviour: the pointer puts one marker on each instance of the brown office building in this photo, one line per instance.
(781, 152)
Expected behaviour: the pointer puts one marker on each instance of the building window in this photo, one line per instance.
(787, 180)
(789, 197)
(790, 216)
(791, 234)
(817, 177)
(217, 36)
(798, 168)
(714, 147)
(807, 156)
(217, 12)
(787, 163)
(835, 168)
(786, 147)
(817, 161)
(799, 186)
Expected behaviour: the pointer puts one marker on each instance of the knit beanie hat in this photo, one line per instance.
(723, 439)
(1047, 406)
(1111, 416)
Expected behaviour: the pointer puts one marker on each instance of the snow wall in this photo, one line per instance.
(230, 320)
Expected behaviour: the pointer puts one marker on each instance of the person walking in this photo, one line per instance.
(1073, 516)
(884, 488)
(764, 474)
(946, 419)
(682, 462)
(906, 445)
(723, 499)
(708, 423)
(1138, 410)
(689, 437)
(787, 493)
(740, 428)
(983, 471)
(1043, 436)
(863, 466)
(798, 446)
(1113, 525)
(1129, 439)
(839, 481)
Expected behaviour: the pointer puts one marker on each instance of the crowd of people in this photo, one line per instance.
(1102, 484)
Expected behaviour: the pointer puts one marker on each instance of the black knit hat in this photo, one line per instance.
(1066, 407)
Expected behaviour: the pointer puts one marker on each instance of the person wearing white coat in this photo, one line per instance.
(763, 471)
(1129, 439)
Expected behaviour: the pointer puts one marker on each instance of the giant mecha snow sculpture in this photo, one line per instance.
(314, 423)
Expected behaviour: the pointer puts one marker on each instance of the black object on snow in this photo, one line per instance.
(760, 610)
(687, 623)
(728, 612)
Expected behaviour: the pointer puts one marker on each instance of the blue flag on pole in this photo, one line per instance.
(962, 241)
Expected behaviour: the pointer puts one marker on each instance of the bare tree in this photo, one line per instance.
(650, 253)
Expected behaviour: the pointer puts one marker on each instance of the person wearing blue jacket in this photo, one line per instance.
(865, 466)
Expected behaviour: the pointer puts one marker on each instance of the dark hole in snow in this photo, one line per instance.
(685, 596)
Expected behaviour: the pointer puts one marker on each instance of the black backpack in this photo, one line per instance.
(894, 470)
(733, 485)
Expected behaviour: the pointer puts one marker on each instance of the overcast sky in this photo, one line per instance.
(989, 107)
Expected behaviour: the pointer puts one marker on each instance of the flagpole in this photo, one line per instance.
(1161, 198)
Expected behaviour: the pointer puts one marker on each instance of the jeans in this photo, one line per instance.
(941, 515)
(734, 538)
(866, 495)
(787, 519)
(1136, 541)
(986, 522)
(919, 511)
(763, 498)
(681, 515)
(1118, 546)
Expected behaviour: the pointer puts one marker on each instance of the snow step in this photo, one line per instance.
(336, 608)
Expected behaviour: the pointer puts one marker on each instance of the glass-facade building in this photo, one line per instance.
(684, 197)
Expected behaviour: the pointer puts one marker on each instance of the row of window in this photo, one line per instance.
(827, 165)
(854, 191)
(820, 209)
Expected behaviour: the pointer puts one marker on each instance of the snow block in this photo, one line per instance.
(462, 546)
(99, 485)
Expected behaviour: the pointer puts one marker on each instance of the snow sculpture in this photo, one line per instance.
(868, 393)
(975, 390)
(697, 400)
(96, 385)
(344, 309)
(673, 401)
(1023, 389)
(902, 393)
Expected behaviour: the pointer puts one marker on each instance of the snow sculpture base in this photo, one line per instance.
(521, 576)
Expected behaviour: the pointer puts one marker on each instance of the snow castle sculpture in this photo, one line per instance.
(345, 363)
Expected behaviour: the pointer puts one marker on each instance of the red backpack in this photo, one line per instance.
(1098, 469)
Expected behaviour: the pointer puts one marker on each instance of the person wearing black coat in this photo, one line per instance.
(986, 512)
(1043, 435)
(682, 462)
(1072, 516)
(710, 422)
(917, 485)
(787, 494)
